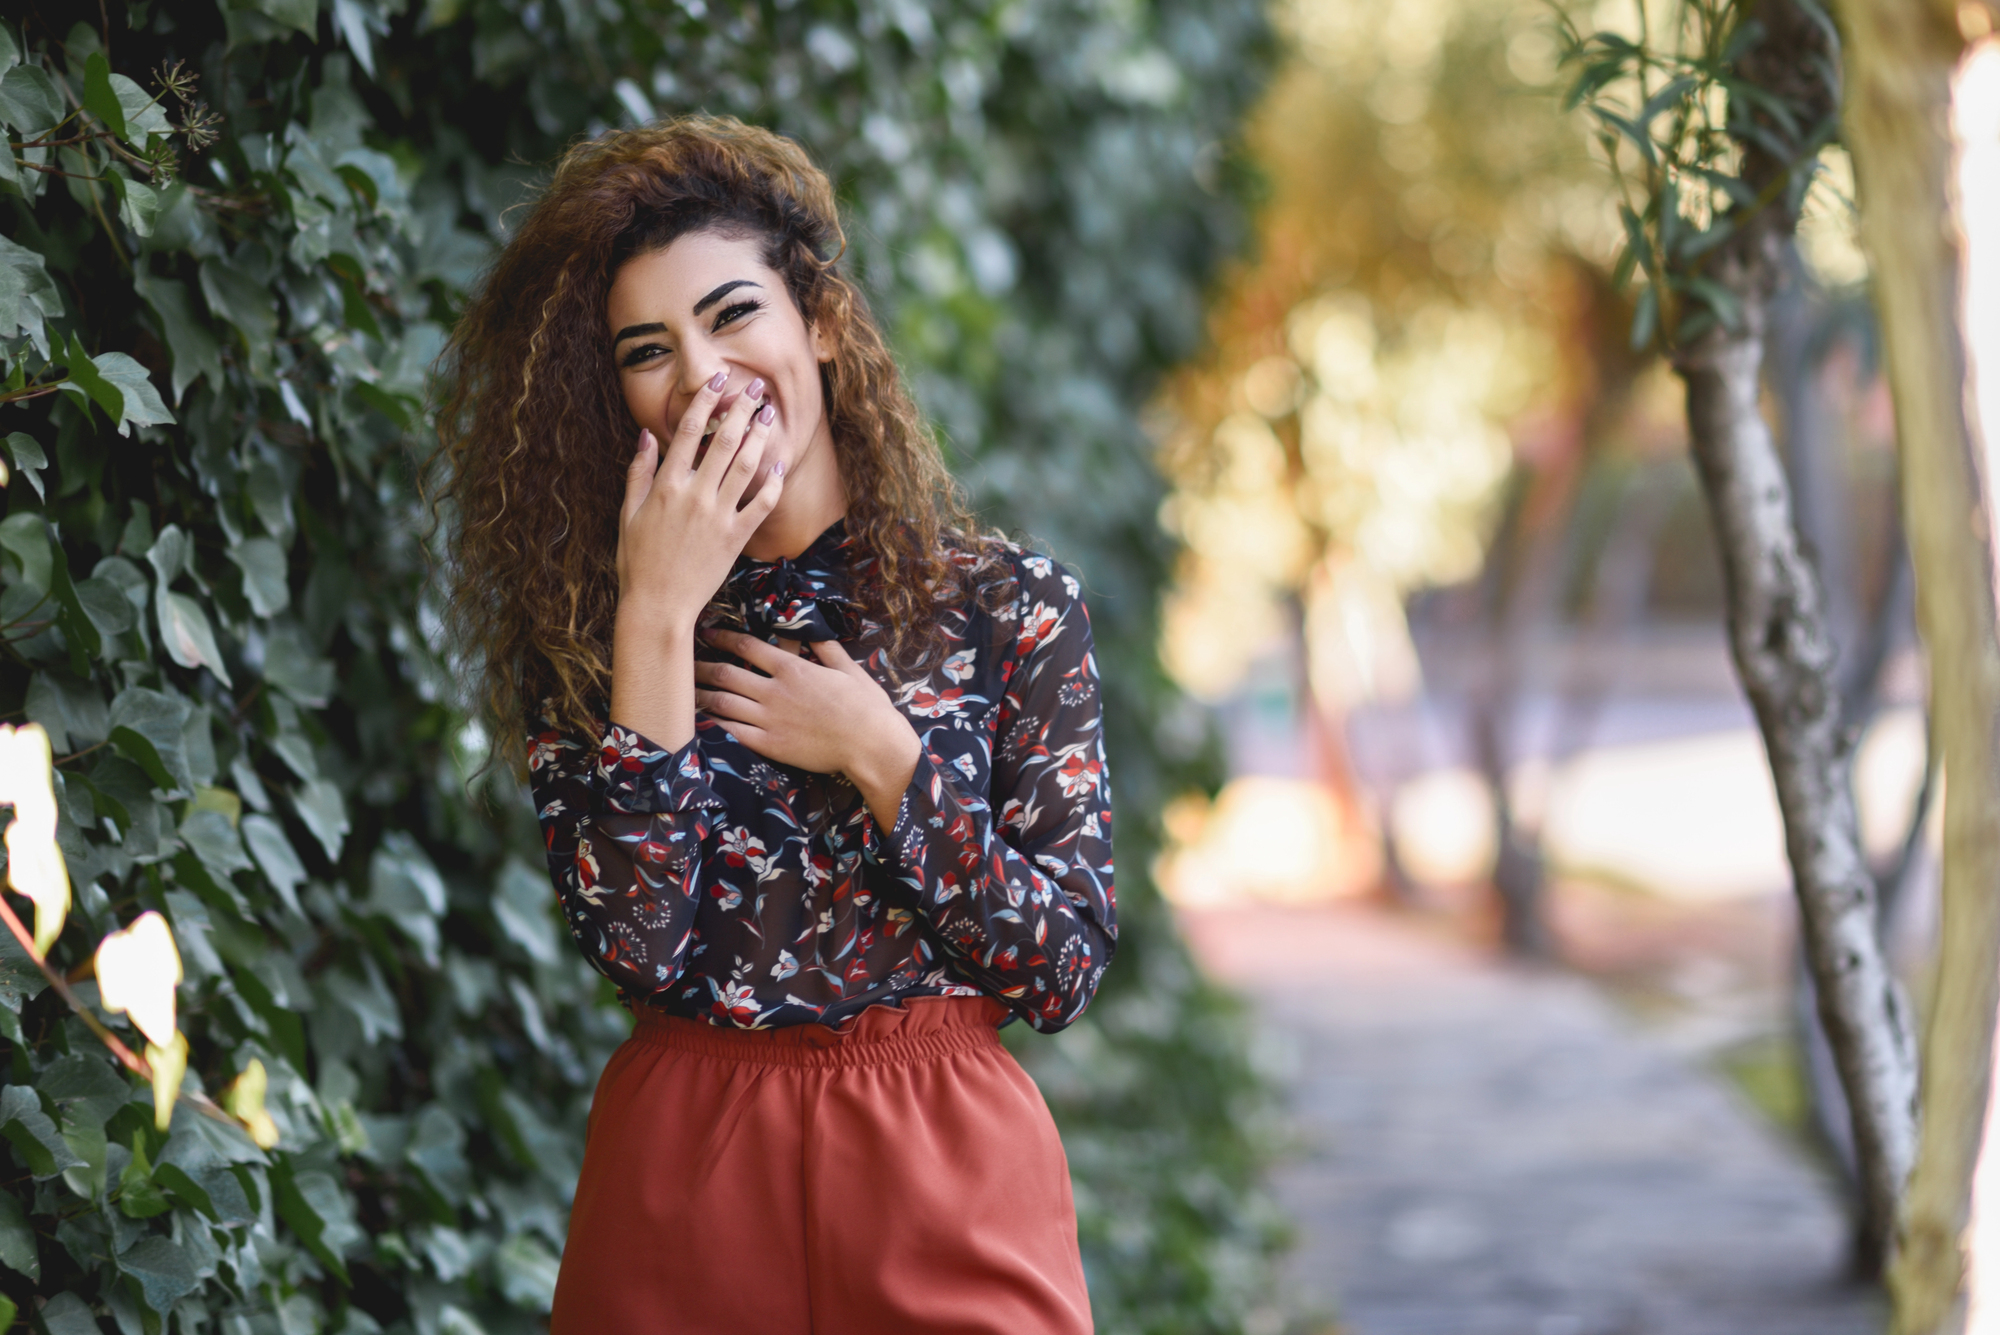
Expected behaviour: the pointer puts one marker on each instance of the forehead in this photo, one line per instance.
(668, 282)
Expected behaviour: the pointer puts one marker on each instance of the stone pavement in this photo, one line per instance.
(1490, 1150)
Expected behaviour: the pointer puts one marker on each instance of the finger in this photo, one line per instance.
(728, 677)
(722, 446)
(758, 508)
(639, 474)
(724, 705)
(752, 650)
(687, 433)
(742, 474)
(752, 736)
(830, 653)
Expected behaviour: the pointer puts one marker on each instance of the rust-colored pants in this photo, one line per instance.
(901, 1176)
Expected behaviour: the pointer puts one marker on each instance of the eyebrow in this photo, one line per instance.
(655, 327)
(722, 292)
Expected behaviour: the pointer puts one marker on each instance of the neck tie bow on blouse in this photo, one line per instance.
(804, 599)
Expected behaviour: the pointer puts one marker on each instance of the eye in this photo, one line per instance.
(642, 354)
(731, 314)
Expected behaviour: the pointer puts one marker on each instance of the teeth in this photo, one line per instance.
(709, 430)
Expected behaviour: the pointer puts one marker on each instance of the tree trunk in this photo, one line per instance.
(1786, 659)
(1900, 58)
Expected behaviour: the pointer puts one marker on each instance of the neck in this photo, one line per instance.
(815, 496)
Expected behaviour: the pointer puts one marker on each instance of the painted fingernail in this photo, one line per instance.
(767, 413)
(646, 441)
(778, 468)
(718, 380)
(756, 390)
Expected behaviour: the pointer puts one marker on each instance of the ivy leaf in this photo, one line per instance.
(29, 102)
(276, 858)
(33, 1133)
(138, 203)
(189, 639)
(17, 1238)
(522, 909)
(25, 537)
(142, 405)
(164, 1272)
(321, 807)
(106, 605)
(215, 841)
(27, 457)
(244, 302)
(65, 1314)
(404, 887)
(188, 339)
(139, 1197)
(143, 113)
(28, 296)
(20, 980)
(289, 1194)
(300, 14)
(262, 562)
(294, 669)
(99, 98)
(178, 1183)
(88, 381)
(147, 727)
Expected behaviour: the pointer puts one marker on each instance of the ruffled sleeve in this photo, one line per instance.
(1016, 883)
(623, 822)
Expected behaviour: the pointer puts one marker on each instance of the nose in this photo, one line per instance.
(696, 372)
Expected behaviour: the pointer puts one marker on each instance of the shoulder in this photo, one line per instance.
(1042, 603)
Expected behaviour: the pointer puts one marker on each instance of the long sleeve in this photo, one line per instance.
(1016, 886)
(623, 823)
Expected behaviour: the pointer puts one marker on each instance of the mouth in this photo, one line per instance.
(722, 407)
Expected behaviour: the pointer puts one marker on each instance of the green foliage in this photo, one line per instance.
(1676, 111)
(215, 327)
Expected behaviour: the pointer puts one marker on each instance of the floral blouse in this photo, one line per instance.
(715, 884)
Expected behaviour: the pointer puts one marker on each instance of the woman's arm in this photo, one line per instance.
(679, 531)
(623, 822)
(1022, 897)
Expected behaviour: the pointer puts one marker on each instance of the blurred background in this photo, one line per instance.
(1459, 987)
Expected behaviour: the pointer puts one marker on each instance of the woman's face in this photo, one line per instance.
(708, 303)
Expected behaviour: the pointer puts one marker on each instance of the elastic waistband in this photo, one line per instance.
(920, 1030)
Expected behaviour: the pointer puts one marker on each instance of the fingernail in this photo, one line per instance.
(756, 390)
(778, 468)
(646, 441)
(767, 413)
(718, 380)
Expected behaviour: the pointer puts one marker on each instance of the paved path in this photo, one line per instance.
(1493, 1151)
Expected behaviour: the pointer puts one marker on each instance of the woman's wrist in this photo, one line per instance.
(884, 769)
(656, 621)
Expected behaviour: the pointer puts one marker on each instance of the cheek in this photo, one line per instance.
(646, 400)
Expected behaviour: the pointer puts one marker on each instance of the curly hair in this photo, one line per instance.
(535, 437)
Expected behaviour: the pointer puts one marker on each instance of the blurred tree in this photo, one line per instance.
(1415, 358)
(1899, 61)
(234, 237)
(1715, 120)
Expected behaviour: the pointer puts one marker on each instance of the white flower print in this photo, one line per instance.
(1038, 566)
(786, 966)
(966, 766)
(740, 848)
(1040, 626)
(959, 666)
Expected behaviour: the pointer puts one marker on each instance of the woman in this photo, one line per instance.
(819, 768)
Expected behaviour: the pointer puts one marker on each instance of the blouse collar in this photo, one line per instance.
(808, 597)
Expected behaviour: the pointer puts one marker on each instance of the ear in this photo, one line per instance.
(822, 346)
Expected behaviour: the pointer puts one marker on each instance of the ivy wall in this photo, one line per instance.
(231, 241)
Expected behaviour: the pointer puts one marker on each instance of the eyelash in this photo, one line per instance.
(728, 315)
